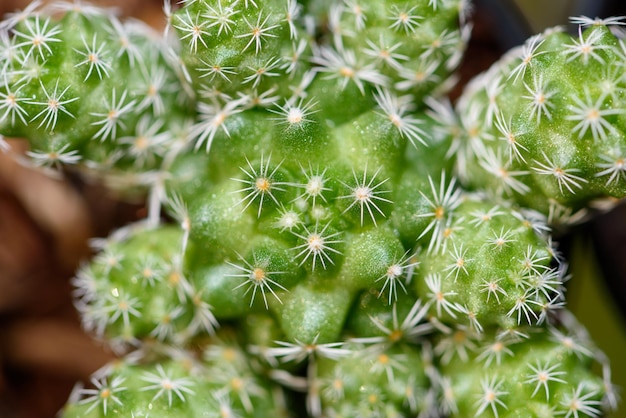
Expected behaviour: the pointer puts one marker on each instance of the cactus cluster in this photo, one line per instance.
(325, 235)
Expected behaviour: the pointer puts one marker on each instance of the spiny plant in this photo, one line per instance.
(548, 120)
(87, 88)
(542, 375)
(322, 228)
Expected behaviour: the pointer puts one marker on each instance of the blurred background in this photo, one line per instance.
(45, 224)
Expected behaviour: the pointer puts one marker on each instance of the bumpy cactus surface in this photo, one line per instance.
(541, 376)
(324, 237)
(87, 88)
(545, 125)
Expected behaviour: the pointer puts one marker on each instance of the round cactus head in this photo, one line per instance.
(547, 120)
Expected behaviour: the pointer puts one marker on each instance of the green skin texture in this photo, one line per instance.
(582, 93)
(138, 278)
(325, 294)
(426, 41)
(475, 260)
(221, 381)
(235, 260)
(144, 75)
(518, 373)
(223, 57)
(352, 386)
(364, 29)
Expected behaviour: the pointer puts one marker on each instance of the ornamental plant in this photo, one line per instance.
(545, 125)
(326, 235)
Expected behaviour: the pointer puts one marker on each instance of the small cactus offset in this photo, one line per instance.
(219, 381)
(87, 88)
(548, 120)
(326, 235)
(242, 49)
(490, 268)
(546, 374)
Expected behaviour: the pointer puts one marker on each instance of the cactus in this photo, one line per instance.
(523, 378)
(548, 120)
(218, 381)
(322, 225)
(88, 88)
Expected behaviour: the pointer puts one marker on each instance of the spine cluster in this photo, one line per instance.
(340, 241)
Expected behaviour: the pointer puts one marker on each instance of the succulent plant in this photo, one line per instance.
(219, 381)
(546, 374)
(86, 88)
(548, 120)
(322, 225)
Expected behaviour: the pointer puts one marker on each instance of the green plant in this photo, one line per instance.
(548, 120)
(335, 230)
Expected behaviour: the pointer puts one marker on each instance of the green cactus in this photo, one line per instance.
(322, 223)
(491, 266)
(544, 375)
(136, 289)
(216, 382)
(548, 120)
(88, 88)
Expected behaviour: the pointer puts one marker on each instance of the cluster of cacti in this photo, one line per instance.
(319, 240)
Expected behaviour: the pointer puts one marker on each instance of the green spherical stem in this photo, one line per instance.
(548, 120)
(85, 87)
(246, 49)
(136, 288)
(487, 265)
(369, 45)
(390, 32)
(177, 383)
(322, 197)
(544, 373)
